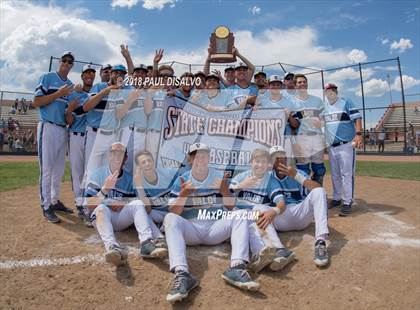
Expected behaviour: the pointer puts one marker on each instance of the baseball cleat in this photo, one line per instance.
(181, 285)
(80, 212)
(334, 204)
(239, 277)
(153, 249)
(116, 256)
(262, 259)
(60, 207)
(282, 259)
(50, 215)
(345, 210)
(321, 254)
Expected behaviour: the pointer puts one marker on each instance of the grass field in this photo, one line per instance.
(17, 175)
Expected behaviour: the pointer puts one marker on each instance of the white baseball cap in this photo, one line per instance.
(198, 147)
(277, 149)
(274, 78)
(88, 67)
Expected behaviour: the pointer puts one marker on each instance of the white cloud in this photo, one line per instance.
(356, 56)
(348, 74)
(378, 87)
(401, 46)
(147, 4)
(384, 41)
(30, 37)
(124, 3)
(373, 88)
(255, 10)
(408, 82)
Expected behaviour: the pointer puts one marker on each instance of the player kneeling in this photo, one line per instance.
(110, 193)
(202, 188)
(294, 209)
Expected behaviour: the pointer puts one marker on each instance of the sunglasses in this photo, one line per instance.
(166, 75)
(288, 78)
(67, 60)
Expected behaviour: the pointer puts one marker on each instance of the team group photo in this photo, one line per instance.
(241, 162)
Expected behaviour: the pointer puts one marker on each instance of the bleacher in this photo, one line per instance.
(394, 117)
(28, 120)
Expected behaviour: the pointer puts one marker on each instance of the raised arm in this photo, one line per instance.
(126, 54)
(251, 67)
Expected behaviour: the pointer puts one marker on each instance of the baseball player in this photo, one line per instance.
(51, 96)
(243, 92)
(156, 100)
(289, 84)
(101, 120)
(260, 79)
(154, 184)
(202, 189)
(133, 119)
(105, 73)
(76, 119)
(275, 99)
(299, 200)
(212, 98)
(250, 188)
(310, 139)
(108, 193)
(343, 133)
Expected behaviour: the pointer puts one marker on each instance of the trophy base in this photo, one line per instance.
(222, 58)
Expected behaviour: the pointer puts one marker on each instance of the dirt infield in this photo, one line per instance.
(374, 261)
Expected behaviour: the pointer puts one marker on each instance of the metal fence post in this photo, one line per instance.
(49, 68)
(363, 105)
(403, 103)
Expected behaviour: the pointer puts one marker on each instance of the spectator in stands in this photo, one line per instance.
(30, 105)
(18, 145)
(1, 140)
(10, 141)
(3, 123)
(12, 110)
(381, 140)
(15, 105)
(31, 139)
(416, 109)
(396, 135)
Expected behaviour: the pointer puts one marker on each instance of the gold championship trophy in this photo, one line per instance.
(221, 45)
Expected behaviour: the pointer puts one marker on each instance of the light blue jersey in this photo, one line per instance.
(286, 189)
(79, 115)
(54, 112)
(289, 94)
(154, 121)
(207, 195)
(247, 198)
(135, 116)
(103, 115)
(159, 193)
(221, 99)
(339, 120)
(124, 187)
(311, 107)
(237, 94)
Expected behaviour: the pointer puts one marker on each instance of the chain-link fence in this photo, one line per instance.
(375, 87)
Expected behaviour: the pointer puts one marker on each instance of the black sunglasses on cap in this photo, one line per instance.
(67, 60)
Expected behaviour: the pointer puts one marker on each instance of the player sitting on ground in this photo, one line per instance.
(250, 188)
(295, 210)
(153, 185)
(108, 193)
(202, 189)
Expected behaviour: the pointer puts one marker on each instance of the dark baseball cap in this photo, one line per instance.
(140, 67)
(287, 75)
(212, 76)
(260, 73)
(230, 68)
(70, 54)
(241, 65)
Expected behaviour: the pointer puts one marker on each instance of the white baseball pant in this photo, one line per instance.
(77, 165)
(311, 149)
(181, 232)
(342, 165)
(299, 216)
(135, 141)
(97, 147)
(52, 148)
(107, 221)
(152, 143)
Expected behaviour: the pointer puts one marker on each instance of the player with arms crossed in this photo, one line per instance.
(202, 189)
(295, 208)
(51, 97)
(108, 194)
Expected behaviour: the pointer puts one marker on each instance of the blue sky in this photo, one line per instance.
(319, 34)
